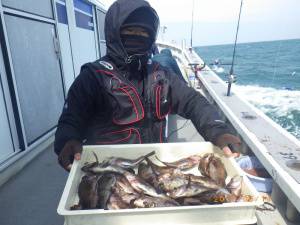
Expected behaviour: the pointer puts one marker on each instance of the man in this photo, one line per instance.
(123, 98)
(165, 59)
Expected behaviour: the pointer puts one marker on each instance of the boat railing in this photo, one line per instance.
(270, 143)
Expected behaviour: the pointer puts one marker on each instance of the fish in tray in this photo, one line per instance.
(235, 185)
(115, 202)
(113, 184)
(87, 192)
(157, 170)
(204, 181)
(183, 164)
(212, 166)
(151, 202)
(116, 161)
(125, 163)
(136, 182)
(171, 181)
(105, 186)
(190, 190)
(146, 173)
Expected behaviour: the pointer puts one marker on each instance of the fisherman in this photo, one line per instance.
(123, 98)
(165, 59)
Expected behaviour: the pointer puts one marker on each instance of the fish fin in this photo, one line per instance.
(159, 160)
(149, 154)
(97, 160)
(189, 181)
(165, 163)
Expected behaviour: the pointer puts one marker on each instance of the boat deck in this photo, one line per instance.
(32, 196)
(271, 144)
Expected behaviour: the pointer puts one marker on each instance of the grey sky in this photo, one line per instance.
(216, 20)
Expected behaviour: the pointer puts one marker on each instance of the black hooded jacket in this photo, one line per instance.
(108, 104)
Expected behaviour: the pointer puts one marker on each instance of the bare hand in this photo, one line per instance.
(228, 153)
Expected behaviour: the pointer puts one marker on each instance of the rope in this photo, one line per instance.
(173, 132)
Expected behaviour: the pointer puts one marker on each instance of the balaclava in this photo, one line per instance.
(138, 46)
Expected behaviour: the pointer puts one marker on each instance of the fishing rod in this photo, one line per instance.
(231, 77)
(192, 26)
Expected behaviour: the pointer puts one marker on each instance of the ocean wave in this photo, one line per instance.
(283, 106)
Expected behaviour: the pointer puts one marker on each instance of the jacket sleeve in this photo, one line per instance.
(78, 108)
(190, 104)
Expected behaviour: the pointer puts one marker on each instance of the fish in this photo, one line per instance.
(128, 198)
(123, 185)
(204, 162)
(146, 173)
(88, 192)
(212, 166)
(159, 169)
(115, 202)
(151, 202)
(217, 171)
(87, 166)
(190, 190)
(98, 169)
(235, 185)
(136, 183)
(105, 185)
(124, 190)
(204, 181)
(125, 163)
(76, 207)
(169, 182)
(141, 186)
(191, 201)
(183, 164)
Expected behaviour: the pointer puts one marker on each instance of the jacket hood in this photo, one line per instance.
(115, 18)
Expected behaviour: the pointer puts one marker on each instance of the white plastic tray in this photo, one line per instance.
(228, 213)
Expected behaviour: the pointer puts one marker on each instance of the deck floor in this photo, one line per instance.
(32, 196)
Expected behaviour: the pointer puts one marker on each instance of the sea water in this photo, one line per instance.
(268, 76)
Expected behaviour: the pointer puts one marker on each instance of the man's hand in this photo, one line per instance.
(72, 150)
(226, 140)
(227, 152)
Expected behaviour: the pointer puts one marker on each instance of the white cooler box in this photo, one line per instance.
(227, 213)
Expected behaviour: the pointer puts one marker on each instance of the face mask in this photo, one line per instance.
(137, 48)
(136, 44)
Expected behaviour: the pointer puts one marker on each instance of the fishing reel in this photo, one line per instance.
(231, 79)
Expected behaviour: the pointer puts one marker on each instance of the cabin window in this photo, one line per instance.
(38, 7)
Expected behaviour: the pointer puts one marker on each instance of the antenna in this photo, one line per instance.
(192, 27)
(231, 77)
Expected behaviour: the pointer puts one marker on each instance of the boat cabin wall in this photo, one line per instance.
(42, 47)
